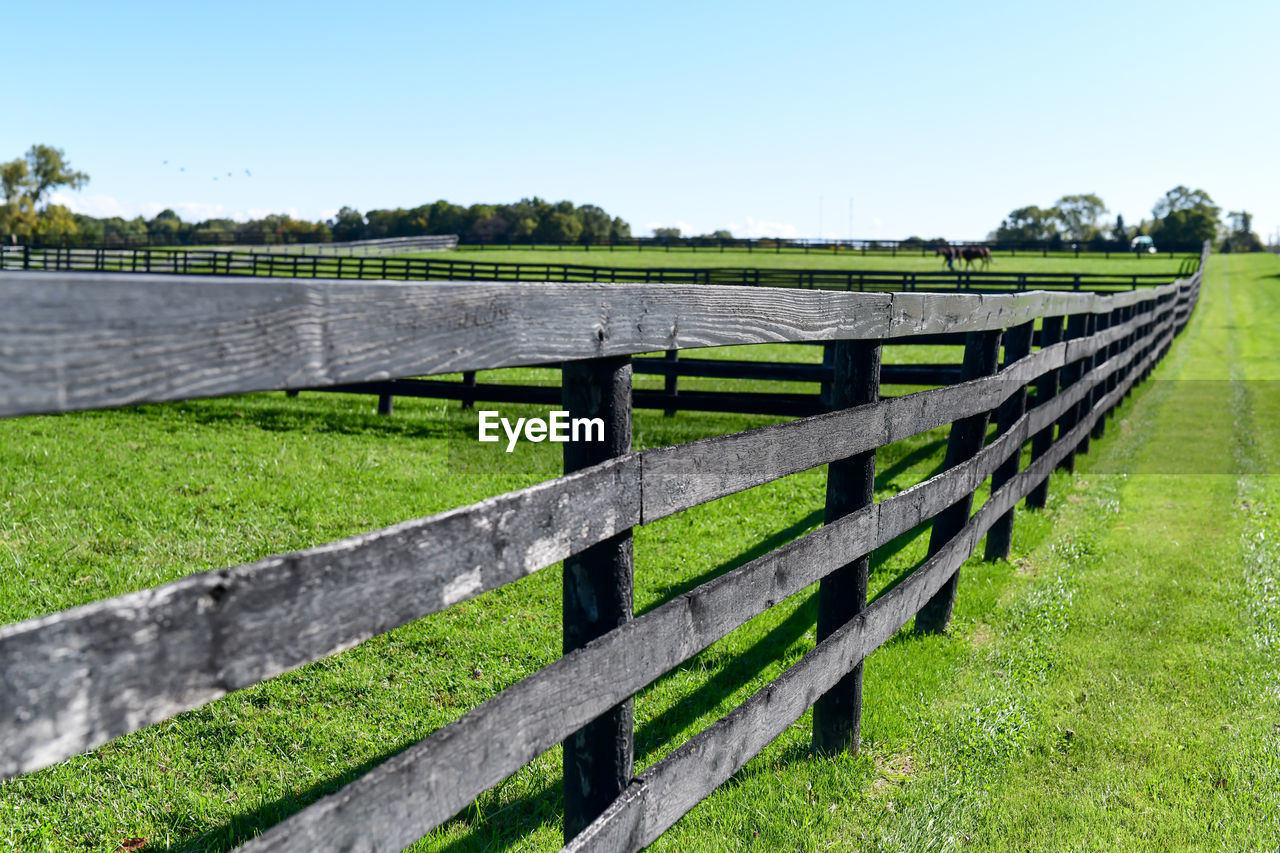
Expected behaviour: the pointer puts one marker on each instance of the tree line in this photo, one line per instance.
(1181, 218)
(27, 215)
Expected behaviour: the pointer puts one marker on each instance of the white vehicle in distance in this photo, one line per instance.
(1143, 244)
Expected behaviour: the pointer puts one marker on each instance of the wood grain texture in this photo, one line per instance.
(77, 341)
(964, 441)
(73, 341)
(75, 679)
(685, 475)
(842, 593)
(596, 592)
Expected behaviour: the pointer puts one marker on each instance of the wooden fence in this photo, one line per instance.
(75, 679)
(257, 263)
(378, 246)
(1058, 247)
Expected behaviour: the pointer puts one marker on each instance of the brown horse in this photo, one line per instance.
(949, 254)
(976, 253)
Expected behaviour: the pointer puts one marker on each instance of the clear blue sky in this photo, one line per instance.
(936, 119)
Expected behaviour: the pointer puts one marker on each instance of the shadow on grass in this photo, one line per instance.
(248, 824)
(886, 475)
(726, 680)
(772, 542)
(276, 413)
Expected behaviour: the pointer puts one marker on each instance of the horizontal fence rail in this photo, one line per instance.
(866, 247)
(671, 398)
(1058, 247)
(384, 245)
(75, 679)
(287, 264)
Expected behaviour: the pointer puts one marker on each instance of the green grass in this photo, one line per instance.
(1109, 688)
(909, 262)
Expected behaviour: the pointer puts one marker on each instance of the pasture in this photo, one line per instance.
(906, 261)
(1107, 686)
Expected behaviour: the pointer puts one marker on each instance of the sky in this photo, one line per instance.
(809, 119)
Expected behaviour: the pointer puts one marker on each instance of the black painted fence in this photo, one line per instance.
(213, 262)
(1057, 247)
(78, 678)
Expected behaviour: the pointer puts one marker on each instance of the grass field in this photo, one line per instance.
(1111, 687)
(909, 262)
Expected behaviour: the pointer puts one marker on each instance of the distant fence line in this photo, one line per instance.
(386, 245)
(78, 678)
(807, 245)
(232, 263)
(861, 246)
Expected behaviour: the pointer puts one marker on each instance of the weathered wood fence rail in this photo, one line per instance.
(72, 680)
(283, 264)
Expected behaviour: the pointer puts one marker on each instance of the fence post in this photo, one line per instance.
(385, 404)
(981, 358)
(671, 383)
(468, 381)
(828, 366)
(1017, 345)
(1046, 389)
(842, 594)
(1086, 365)
(597, 593)
(1123, 316)
(1077, 327)
(1105, 321)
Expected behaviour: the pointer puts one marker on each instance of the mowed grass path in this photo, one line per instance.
(905, 261)
(1109, 688)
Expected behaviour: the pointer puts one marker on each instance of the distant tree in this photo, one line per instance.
(667, 233)
(18, 218)
(1241, 237)
(25, 182)
(55, 224)
(1185, 228)
(1078, 215)
(525, 227)
(13, 176)
(722, 234)
(89, 230)
(1182, 198)
(1185, 218)
(1119, 232)
(528, 218)
(597, 226)
(1027, 224)
(560, 227)
(41, 169)
(446, 218)
(347, 225)
(165, 228)
(913, 240)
